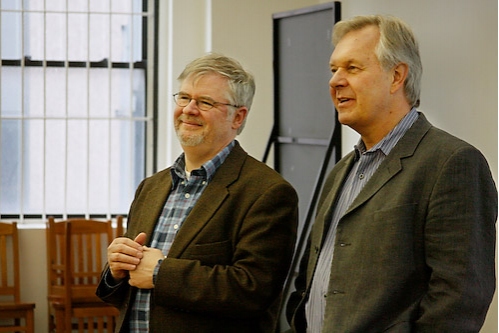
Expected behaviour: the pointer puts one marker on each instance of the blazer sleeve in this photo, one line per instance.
(107, 290)
(460, 245)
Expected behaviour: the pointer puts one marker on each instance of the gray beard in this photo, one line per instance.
(190, 141)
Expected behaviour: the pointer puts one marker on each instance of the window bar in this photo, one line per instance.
(45, 107)
(1, 122)
(170, 83)
(151, 97)
(23, 116)
(66, 113)
(88, 107)
(109, 111)
(130, 113)
(44, 70)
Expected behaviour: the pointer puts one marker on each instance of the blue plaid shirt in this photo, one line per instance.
(184, 195)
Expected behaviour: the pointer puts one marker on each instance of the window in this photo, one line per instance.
(74, 113)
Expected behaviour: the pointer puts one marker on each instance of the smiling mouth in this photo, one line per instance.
(190, 122)
(343, 100)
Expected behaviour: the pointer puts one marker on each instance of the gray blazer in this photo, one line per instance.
(415, 251)
(229, 260)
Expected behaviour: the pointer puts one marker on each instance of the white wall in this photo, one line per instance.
(458, 41)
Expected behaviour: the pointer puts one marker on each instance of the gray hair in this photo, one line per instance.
(241, 83)
(397, 44)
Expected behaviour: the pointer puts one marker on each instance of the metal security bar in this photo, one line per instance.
(74, 106)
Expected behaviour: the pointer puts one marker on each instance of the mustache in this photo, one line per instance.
(189, 119)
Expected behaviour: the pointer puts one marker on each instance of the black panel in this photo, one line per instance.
(306, 135)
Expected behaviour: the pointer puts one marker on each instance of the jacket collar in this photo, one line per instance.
(391, 166)
(212, 198)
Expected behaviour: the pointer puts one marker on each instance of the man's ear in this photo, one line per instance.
(400, 72)
(239, 116)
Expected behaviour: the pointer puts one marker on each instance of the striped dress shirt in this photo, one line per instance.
(365, 165)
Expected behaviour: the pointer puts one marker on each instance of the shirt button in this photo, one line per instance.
(187, 195)
(175, 227)
(204, 182)
(361, 176)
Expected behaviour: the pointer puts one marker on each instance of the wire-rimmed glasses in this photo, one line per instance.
(204, 104)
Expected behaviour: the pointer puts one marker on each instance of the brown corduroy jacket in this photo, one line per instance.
(229, 260)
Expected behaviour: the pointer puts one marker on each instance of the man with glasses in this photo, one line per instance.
(210, 239)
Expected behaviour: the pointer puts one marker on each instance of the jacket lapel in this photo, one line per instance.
(154, 200)
(210, 201)
(393, 163)
(326, 209)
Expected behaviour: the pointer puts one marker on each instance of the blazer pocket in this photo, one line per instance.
(395, 236)
(402, 327)
(217, 253)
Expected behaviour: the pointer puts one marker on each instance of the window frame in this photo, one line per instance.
(148, 63)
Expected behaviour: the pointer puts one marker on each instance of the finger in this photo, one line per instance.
(141, 238)
(124, 258)
(116, 249)
(124, 241)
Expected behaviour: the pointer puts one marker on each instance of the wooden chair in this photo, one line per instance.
(76, 255)
(12, 310)
(120, 230)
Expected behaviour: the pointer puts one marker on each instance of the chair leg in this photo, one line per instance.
(30, 322)
(59, 321)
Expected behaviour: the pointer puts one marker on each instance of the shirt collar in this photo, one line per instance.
(206, 171)
(390, 140)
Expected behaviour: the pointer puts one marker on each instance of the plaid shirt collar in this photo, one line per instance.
(207, 170)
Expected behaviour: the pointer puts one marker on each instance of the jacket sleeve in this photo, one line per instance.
(106, 290)
(295, 314)
(460, 245)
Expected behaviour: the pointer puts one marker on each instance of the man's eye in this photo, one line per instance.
(183, 98)
(206, 103)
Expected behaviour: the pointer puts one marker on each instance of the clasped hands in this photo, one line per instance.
(128, 257)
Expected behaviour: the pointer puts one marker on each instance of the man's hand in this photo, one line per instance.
(124, 254)
(142, 276)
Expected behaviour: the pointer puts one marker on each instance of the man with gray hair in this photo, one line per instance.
(404, 236)
(209, 240)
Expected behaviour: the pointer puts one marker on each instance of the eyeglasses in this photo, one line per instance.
(204, 104)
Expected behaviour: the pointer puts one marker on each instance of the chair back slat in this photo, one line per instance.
(76, 257)
(9, 262)
(19, 314)
(4, 279)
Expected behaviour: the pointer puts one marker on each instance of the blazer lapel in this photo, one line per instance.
(325, 212)
(212, 198)
(393, 162)
(154, 200)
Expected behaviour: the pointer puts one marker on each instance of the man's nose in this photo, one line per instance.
(338, 79)
(192, 107)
